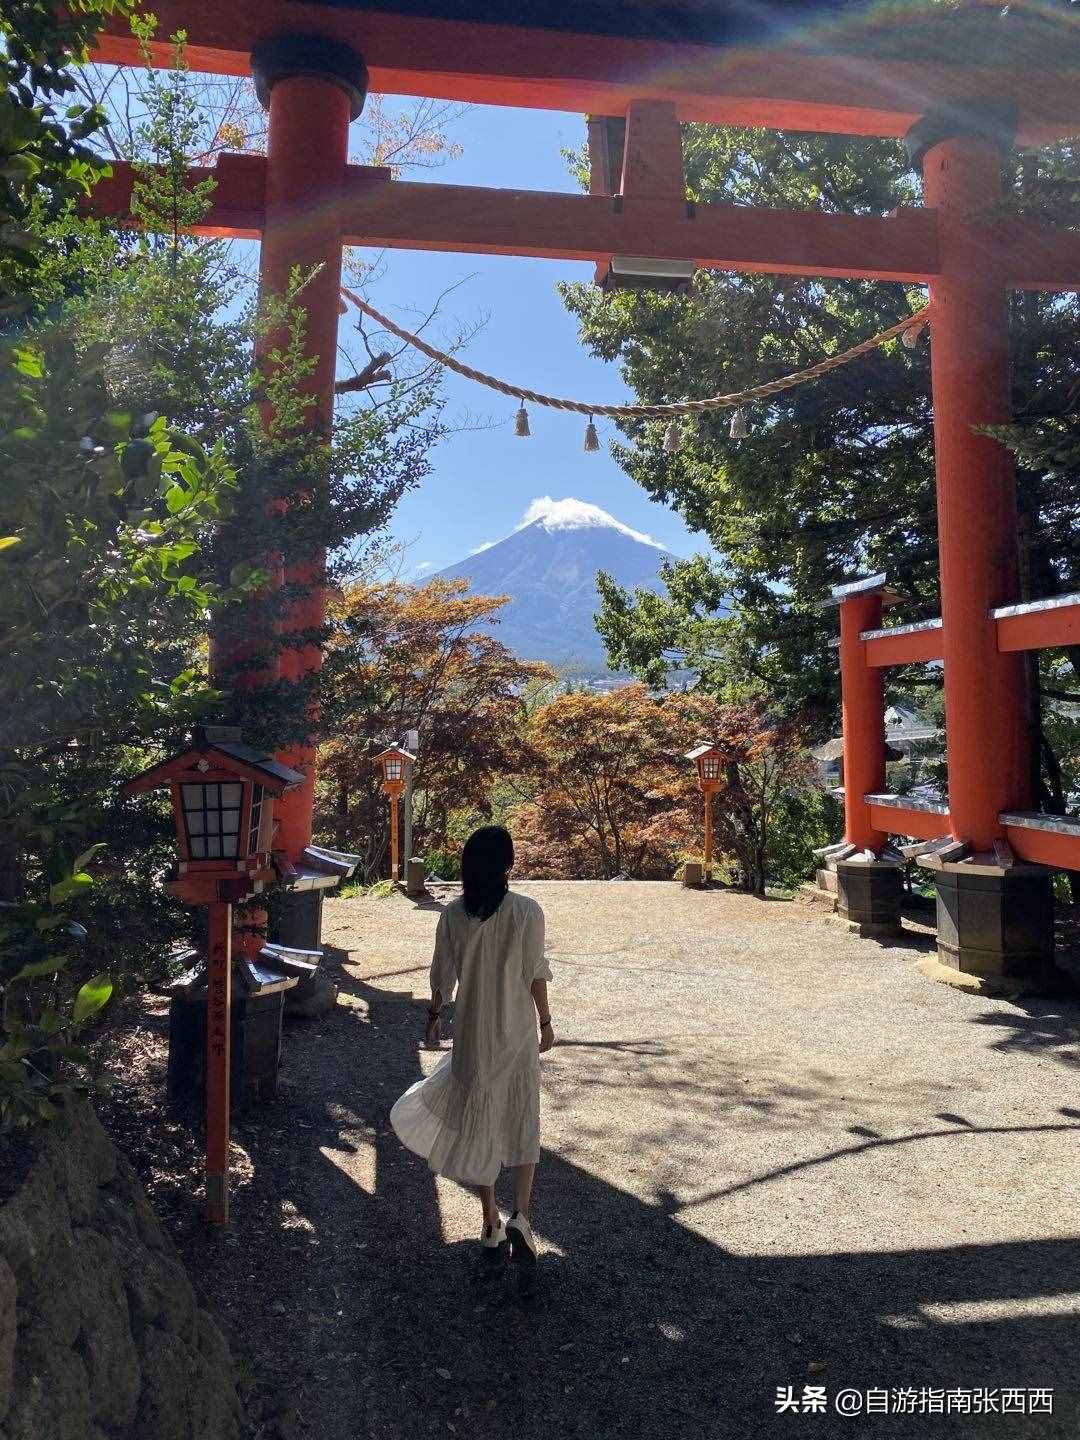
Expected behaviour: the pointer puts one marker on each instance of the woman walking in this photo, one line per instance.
(479, 1109)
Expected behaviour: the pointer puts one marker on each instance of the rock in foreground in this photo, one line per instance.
(100, 1330)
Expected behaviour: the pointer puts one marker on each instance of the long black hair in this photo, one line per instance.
(486, 860)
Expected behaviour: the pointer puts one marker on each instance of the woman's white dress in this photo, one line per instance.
(479, 1109)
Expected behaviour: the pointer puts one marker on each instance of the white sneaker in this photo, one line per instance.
(523, 1246)
(492, 1237)
(493, 1244)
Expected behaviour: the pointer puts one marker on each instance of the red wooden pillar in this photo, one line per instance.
(218, 1035)
(313, 88)
(863, 704)
(961, 155)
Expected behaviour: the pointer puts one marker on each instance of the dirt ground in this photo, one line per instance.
(775, 1156)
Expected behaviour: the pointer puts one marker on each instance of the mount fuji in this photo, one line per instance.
(548, 568)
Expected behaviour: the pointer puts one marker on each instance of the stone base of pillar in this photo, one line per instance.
(826, 879)
(995, 927)
(254, 1054)
(869, 895)
(300, 920)
(823, 901)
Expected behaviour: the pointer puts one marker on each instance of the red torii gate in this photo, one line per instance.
(657, 65)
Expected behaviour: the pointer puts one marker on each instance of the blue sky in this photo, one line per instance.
(483, 482)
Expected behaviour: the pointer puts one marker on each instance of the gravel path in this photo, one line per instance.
(775, 1155)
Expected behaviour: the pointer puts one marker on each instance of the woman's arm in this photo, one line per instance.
(543, 1014)
(538, 972)
(432, 1031)
(442, 980)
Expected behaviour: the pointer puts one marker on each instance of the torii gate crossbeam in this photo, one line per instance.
(595, 58)
(398, 214)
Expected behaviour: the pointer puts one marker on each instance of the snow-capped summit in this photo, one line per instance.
(571, 514)
(548, 568)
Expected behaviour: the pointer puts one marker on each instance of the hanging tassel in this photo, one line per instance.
(672, 438)
(521, 421)
(592, 440)
(739, 428)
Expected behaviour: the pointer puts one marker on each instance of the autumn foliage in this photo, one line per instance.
(612, 794)
(419, 657)
(768, 797)
(615, 796)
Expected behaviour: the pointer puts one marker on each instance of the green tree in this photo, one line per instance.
(96, 581)
(768, 812)
(101, 613)
(235, 380)
(834, 476)
(46, 159)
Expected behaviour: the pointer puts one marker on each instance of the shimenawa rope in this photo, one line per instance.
(911, 323)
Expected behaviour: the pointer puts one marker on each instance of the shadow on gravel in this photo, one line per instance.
(909, 939)
(636, 1046)
(362, 1323)
(1040, 1026)
(637, 1325)
(869, 1140)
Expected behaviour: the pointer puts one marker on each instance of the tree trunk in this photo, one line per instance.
(341, 833)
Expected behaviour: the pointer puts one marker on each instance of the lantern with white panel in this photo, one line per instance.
(222, 794)
(397, 765)
(708, 759)
(223, 805)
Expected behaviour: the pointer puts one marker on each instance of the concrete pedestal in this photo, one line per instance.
(869, 895)
(300, 921)
(826, 879)
(415, 875)
(995, 926)
(255, 1048)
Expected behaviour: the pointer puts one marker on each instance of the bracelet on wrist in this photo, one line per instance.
(545, 1023)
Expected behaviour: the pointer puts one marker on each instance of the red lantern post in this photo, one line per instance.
(707, 759)
(397, 767)
(218, 1013)
(222, 798)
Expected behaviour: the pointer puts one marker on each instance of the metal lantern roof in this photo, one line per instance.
(230, 754)
(394, 752)
(700, 751)
(270, 768)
